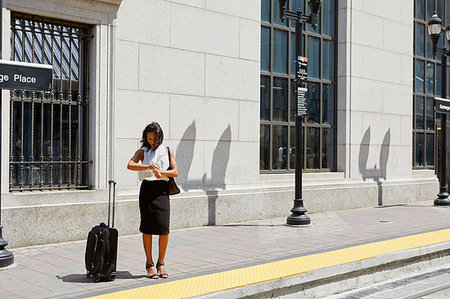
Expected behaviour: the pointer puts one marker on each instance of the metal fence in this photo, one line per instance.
(49, 130)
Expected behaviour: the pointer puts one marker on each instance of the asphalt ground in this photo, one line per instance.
(57, 270)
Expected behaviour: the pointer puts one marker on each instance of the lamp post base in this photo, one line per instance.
(6, 256)
(298, 216)
(442, 200)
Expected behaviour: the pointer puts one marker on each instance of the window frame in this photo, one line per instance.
(290, 123)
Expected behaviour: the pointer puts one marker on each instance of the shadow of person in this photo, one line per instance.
(374, 173)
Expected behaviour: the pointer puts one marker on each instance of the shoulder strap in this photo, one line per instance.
(168, 152)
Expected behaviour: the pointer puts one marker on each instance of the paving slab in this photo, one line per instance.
(57, 270)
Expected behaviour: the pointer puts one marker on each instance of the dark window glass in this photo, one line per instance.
(420, 9)
(438, 80)
(292, 148)
(429, 113)
(328, 104)
(429, 80)
(313, 57)
(280, 99)
(265, 10)
(440, 9)
(328, 17)
(297, 4)
(265, 49)
(312, 148)
(448, 82)
(430, 9)
(328, 60)
(276, 14)
(313, 102)
(448, 11)
(430, 150)
(279, 149)
(420, 150)
(293, 101)
(293, 58)
(265, 98)
(419, 112)
(280, 51)
(328, 148)
(420, 76)
(264, 138)
(430, 48)
(420, 39)
(278, 70)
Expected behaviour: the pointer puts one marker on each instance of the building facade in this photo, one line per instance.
(218, 77)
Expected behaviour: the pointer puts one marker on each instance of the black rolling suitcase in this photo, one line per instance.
(101, 246)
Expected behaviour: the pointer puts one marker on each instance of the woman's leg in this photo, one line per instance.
(163, 241)
(147, 241)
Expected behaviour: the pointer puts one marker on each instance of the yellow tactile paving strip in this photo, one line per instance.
(205, 284)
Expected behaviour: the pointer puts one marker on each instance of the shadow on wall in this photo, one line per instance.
(221, 156)
(375, 173)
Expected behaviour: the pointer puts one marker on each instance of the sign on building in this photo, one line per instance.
(442, 105)
(23, 75)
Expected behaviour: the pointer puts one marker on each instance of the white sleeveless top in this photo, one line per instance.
(160, 157)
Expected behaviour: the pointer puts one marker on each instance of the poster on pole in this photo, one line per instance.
(302, 84)
(24, 75)
(442, 105)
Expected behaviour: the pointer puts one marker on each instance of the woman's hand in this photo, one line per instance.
(155, 169)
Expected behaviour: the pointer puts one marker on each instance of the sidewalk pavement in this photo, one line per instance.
(57, 270)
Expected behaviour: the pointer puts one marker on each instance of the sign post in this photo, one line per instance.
(20, 75)
(443, 106)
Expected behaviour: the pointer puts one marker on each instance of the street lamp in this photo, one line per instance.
(434, 30)
(298, 216)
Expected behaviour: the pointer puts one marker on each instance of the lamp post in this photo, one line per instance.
(434, 30)
(298, 216)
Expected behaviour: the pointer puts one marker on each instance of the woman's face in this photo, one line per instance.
(152, 139)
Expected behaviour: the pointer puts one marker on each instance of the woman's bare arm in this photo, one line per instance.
(134, 164)
(173, 172)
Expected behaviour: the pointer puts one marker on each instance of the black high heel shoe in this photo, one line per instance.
(153, 276)
(162, 275)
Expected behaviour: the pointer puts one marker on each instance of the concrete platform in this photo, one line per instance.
(340, 251)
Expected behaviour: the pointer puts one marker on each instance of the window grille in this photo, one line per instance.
(49, 130)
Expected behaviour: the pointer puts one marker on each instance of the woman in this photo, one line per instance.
(155, 169)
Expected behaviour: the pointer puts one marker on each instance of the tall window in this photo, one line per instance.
(49, 130)
(427, 82)
(278, 103)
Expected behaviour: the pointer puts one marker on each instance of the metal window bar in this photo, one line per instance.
(48, 130)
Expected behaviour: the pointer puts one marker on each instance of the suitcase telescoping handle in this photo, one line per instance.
(112, 183)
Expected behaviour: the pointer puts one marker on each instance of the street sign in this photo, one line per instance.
(302, 84)
(23, 75)
(442, 105)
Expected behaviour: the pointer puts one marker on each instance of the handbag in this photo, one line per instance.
(173, 188)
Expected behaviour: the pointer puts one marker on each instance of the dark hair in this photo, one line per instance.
(155, 128)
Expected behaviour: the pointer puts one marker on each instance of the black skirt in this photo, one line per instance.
(155, 207)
